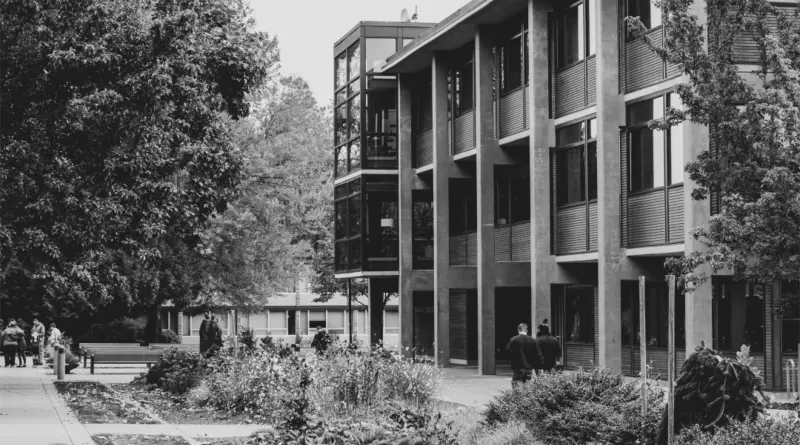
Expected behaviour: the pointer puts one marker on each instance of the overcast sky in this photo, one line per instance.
(307, 29)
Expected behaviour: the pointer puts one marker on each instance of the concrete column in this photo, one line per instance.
(610, 116)
(541, 134)
(487, 153)
(442, 164)
(405, 216)
(696, 213)
(375, 311)
(180, 327)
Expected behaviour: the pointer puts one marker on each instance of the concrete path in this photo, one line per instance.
(31, 414)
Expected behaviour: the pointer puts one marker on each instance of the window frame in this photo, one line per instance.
(630, 36)
(502, 54)
(583, 146)
(589, 29)
(348, 237)
(512, 173)
(349, 93)
(458, 87)
(665, 96)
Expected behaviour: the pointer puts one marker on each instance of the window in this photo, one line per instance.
(361, 322)
(425, 104)
(576, 163)
(463, 203)
(590, 25)
(336, 322)
(391, 322)
(656, 157)
(340, 69)
(422, 221)
(648, 13)
(347, 222)
(512, 195)
(579, 312)
(656, 315)
(790, 322)
(464, 78)
(381, 126)
(378, 50)
(354, 61)
(739, 315)
(277, 323)
(316, 320)
(514, 58)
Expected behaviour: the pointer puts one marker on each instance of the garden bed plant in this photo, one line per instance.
(96, 403)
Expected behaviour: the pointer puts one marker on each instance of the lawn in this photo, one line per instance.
(96, 403)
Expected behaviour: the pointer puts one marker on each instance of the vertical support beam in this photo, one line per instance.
(610, 116)
(671, 361)
(376, 288)
(442, 165)
(405, 217)
(541, 130)
(180, 327)
(643, 346)
(487, 153)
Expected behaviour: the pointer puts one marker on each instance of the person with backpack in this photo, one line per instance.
(550, 347)
(525, 356)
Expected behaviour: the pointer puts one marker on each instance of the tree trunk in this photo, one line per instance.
(152, 331)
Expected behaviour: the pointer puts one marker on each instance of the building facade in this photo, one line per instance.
(497, 168)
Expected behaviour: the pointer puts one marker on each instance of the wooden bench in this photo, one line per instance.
(125, 356)
(181, 346)
(86, 349)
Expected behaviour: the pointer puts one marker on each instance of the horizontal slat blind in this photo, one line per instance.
(676, 234)
(646, 219)
(464, 132)
(512, 117)
(570, 90)
(571, 226)
(424, 148)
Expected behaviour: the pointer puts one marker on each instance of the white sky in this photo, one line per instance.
(307, 29)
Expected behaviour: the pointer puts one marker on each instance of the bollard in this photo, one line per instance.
(62, 356)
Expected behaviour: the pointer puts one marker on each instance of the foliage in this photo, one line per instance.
(754, 120)
(763, 431)
(276, 347)
(117, 150)
(177, 371)
(594, 405)
(258, 245)
(123, 330)
(168, 336)
(248, 339)
(712, 390)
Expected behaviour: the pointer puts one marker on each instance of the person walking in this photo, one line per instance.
(205, 326)
(9, 342)
(550, 347)
(37, 335)
(525, 355)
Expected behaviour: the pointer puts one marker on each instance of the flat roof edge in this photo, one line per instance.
(386, 24)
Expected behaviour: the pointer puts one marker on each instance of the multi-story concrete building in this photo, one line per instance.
(496, 168)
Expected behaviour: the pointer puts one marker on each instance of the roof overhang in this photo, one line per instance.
(452, 33)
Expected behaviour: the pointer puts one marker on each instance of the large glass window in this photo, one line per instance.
(512, 195)
(464, 88)
(579, 315)
(514, 58)
(347, 222)
(739, 315)
(354, 60)
(425, 104)
(576, 163)
(378, 50)
(422, 220)
(381, 110)
(340, 68)
(790, 322)
(575, 37)
(655, 157)
(647, 11)
(391, 322)
(381, 248)
(463, 206)
(656, 316)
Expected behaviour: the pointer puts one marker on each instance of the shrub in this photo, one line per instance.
(582, 406)
(168, 336)
(322, 341)
(177, 371)
(276, 347)
(124, 330)
(758, 432)
(248, 339)
(713, 389)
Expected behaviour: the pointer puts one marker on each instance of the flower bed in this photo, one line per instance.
(96, 403)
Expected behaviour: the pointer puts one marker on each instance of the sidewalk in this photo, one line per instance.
(31, 415)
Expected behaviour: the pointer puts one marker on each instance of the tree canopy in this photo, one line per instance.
(753, 164)
(117, 149)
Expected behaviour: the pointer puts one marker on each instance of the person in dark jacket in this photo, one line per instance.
(22, 345)
(550, 347)
(205, 334)
(9, 341)
(525, 355)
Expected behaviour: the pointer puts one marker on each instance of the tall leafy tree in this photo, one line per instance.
(116, 145)
(754, 122)
(260, 244)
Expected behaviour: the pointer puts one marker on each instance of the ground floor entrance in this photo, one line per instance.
(573, 323)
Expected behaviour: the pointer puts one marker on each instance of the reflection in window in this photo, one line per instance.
(739, 314)
(656, 157)
(354, 115)
(340, 124)
(576, 163)
(354, 61)
(340, 67)
(656, 313)
(647, 11)
(570, 175)
(512, 188)
(579, 315)
(341, 161)
(647, 159)
(378, 50)
(570, 38)
(355, 156)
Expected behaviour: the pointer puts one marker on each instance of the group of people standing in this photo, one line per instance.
(15, 342)
(210, 334)
(529, 355)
